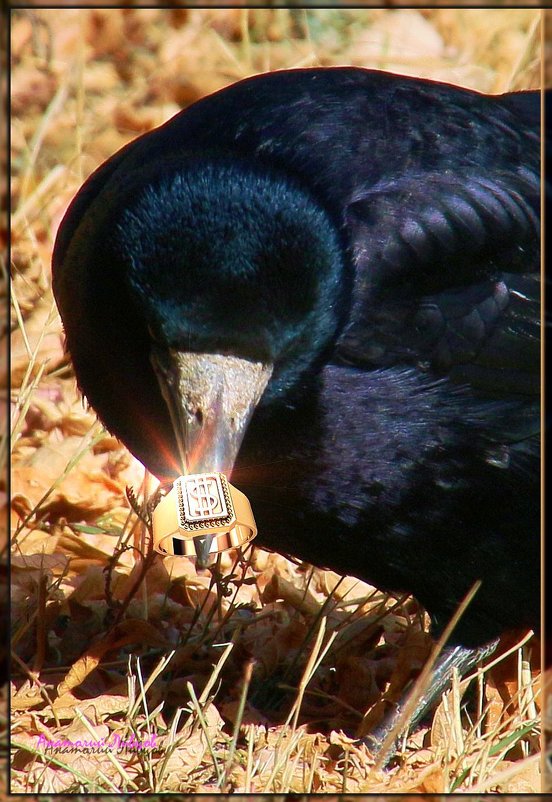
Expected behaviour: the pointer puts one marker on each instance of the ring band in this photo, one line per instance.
(202, 514)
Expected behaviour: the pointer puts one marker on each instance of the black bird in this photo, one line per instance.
(326, 282)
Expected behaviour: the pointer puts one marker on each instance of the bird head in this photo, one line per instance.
(238, 272)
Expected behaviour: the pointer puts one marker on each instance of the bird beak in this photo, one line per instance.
(211, 398)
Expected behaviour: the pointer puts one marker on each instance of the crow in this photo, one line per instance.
(325, 283)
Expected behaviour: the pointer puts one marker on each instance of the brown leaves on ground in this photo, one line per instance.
(102, 649)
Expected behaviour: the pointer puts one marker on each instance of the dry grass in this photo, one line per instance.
(248, 675)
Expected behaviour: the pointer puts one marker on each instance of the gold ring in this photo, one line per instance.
(202, 514)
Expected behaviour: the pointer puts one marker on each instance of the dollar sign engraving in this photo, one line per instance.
(205, 496)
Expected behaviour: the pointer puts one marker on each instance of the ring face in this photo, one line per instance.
(204, 502)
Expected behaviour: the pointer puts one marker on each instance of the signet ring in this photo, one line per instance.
(202, 514)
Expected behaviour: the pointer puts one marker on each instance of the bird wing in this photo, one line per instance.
(446, 278)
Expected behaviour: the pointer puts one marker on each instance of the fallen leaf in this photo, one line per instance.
(128, 631)
(26, 697)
